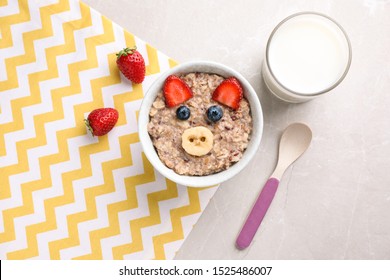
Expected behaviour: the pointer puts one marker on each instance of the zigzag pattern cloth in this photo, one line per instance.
(63, 193)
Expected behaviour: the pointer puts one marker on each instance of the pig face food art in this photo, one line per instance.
(200, 123)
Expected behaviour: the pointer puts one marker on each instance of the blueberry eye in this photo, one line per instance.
(183, 113)
(214, 113)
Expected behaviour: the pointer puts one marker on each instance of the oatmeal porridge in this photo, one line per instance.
(200, 136)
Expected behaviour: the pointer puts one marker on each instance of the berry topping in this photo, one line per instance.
(132, 65)
(183, 113)
(214, 113)
(101, 121)
(176, 91)
(229, 93)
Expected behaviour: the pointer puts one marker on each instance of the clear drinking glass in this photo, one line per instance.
(308, 54)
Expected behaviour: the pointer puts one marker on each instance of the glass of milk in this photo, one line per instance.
(308, 54)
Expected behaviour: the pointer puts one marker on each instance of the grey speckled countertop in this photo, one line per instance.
(333, 203)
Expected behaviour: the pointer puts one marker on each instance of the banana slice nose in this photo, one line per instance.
(197, 141)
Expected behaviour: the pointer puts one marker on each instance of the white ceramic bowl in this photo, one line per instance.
(213, 179)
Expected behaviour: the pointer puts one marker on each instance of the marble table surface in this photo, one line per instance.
(334, 202)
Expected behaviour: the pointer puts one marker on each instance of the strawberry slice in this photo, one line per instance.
(229, 93)
(176, 91)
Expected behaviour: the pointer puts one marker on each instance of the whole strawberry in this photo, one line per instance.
(101, 121)
(132, 65)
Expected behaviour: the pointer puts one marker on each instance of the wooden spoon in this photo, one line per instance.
(294, 142)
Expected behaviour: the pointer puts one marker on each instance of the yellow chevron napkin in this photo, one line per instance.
(63, 193)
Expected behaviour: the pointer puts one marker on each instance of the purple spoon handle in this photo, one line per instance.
(257, 213)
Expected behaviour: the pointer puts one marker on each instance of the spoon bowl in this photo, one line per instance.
(294, 142)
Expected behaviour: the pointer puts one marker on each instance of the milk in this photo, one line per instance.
(307, 55)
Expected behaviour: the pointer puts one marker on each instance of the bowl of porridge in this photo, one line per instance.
(200, 123)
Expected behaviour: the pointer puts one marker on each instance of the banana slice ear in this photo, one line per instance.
(197, 141)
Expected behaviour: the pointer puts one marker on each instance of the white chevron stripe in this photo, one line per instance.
(17, 31)
(164, 62)
(96, 179)
(141, 47)
(188, 221)
(12, 138)
(101, 201)
(57, 190)
(125, 234)
(172, 248)
(40, 196)
(130, 127)
(79, 186)
(96, 160)
(23, 71)
(17, 49)
(126, 129)
(165, 226)
(126, 216)
(12, 8)
(53, 127)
